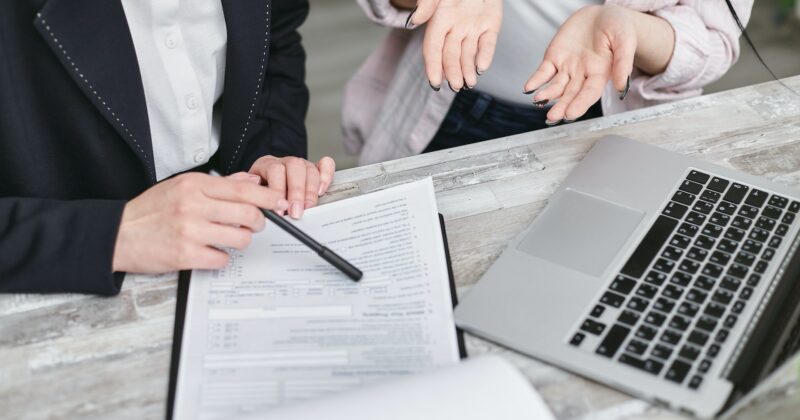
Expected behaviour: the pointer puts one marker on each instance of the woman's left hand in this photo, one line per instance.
(300, 181)
(595, 44)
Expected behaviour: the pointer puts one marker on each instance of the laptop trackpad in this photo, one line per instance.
(580, 232)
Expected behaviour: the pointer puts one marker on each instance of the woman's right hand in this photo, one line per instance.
(179, 223)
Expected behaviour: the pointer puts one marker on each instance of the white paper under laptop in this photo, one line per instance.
(279, 325)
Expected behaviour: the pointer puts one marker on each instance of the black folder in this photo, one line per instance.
(180, 315)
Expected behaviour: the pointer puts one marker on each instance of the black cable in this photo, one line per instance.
(753, 47)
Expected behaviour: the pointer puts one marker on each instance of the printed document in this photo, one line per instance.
(279, 325)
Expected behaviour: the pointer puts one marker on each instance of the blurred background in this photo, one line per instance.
(338, 38)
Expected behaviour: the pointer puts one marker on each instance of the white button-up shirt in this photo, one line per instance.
(180, 46)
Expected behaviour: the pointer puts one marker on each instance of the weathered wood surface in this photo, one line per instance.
(73, 356)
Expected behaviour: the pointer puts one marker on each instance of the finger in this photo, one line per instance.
(296, 186)
(242, 192)
(558, 110)
(225, 236)
(590, 93)
(432, 45)
(239, 176)
(554, 89)
(486, 46)
(274, 174)
(235, 214)
(312, 185)
(543, 74)
(423, 12)
(203, 258)
(451, 60)
(622, 65)
(469, 50)
(327, 167)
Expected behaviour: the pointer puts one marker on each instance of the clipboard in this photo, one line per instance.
(180, 316)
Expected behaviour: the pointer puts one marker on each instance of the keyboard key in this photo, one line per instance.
(768, 254)
(681, 279)
(664, 305)
(698, 337)
(742, 222)
(649, 366)
(748, 211)
(679, 323)
(718, 184)
(707, 323)
(672, 253)
(756, 198)
(688, 309)
(727, 208)
(734, 234)
(656, 278)
(696, 296)
(705, 242)
(720, 258)
(649, 247)
(794, 207)
(593, 327)
(675, 210)
(746, 293)
(672, 291)
(689, 266)
(671, 337)
(645, 332)
(703, 207)
(719, 219)
(722, 335)
(698, 177)
(723, 296)
(684, 198)
(680, 241)
(730, 321)
(689, 353)
(751, 246)
(664, 265)
(638, 304)
(788, 218)
(636, 347)
(628, 317)
(696, 218)
(766, 223)
(710, 196)
(697, 254)
(622, 285)
(655, 318)
(772, 212)
(695, 382)
(691, 187)
(677, 371)
(782, 229)
(778, 201)
(712, 270)
(736, 193)
(730, 283)
(714, 309)
(647, 291)
(727, 245)
(760, 267)
(613, 340)
(713, 231)
(705, 283)
(612, 299)
(775, 242)
(753, 280)
(577, 339)
(759, 235)
(745, 258)
(597, 311)
(688, 229)
(704, 366)
(661, 351)
(713, 350)
(737, 307)
(737, 270)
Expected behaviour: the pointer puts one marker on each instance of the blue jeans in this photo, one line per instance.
(476, 116)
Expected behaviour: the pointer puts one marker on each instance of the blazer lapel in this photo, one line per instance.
(248, 26)
(92, 40)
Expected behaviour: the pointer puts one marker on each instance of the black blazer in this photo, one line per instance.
(75, 139)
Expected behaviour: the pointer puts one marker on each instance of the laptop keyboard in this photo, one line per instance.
(688, 281)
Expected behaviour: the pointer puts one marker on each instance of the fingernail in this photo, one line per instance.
(410, 15)
(451, 88)
(322, 188)
(568, 121)
(541, 104)
(309, 204)
(624, 93)
(528, 92)
(466, 88)
(435, 88)
(281, 205)
(297, 210)
(254, 178)
(479, 71)
(548, 122)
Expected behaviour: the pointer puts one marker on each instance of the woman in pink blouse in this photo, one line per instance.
(601, 59)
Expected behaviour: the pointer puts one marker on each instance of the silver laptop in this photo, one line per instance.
(666, 277)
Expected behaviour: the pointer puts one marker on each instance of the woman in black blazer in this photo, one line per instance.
(79, 201)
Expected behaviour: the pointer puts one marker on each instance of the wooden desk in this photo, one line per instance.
(80, 356)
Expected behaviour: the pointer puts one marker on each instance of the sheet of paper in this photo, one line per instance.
(279, 325)
(484, 388)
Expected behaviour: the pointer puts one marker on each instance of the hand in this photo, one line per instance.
(300, 181)
(459, 40)
(179, 223)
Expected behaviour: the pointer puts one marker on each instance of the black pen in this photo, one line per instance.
(334, 259)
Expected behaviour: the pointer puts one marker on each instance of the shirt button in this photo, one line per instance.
(200, 156)
(192, 102)
(171, 41)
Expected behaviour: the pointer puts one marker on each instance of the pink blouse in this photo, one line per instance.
(389, 112)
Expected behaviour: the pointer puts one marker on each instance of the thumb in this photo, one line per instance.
(422, 13)
(623, 51)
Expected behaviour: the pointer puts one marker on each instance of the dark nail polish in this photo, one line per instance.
(451, 88)
(466, 87)
(542, 103)
(410, 15)
(435, 88)
(479, 71)
(529, 91)
(624, 93)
